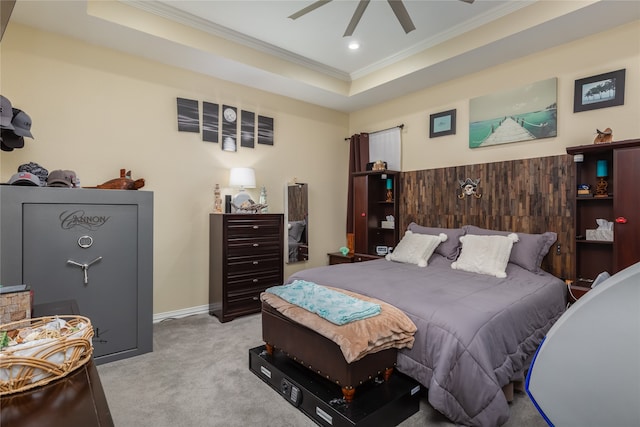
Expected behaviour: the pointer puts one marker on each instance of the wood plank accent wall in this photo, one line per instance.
(526, 195)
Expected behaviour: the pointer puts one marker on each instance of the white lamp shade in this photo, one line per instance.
(242, 177)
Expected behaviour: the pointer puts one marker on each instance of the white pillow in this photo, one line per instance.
(485, 254)
(415, 248)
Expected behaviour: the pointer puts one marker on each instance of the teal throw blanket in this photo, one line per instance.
(331, 305)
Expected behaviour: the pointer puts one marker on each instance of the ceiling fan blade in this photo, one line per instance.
(312, 6)
(362, 6)
(402, 15)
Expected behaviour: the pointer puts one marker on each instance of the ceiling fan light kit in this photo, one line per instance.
(396, 5)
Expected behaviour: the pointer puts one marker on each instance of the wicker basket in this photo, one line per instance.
(25, 368)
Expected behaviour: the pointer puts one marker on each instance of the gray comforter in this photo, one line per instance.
(476, 333)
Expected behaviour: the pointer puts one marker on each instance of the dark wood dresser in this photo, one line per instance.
(246, 256)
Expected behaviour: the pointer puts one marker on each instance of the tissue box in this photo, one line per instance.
(388, 224)
(606, 235)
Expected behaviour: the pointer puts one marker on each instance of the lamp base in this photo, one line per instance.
(601, 188)
(389, 196)
(239, 199)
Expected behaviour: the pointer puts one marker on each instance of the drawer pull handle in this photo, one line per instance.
(255, 245)
(255, 227)
(255, 262)
(255, 298)
(255, 280)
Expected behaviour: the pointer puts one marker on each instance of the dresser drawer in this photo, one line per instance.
(247, 229)
(253, 246)
(261, 280)
(246, 301)
(253, 264)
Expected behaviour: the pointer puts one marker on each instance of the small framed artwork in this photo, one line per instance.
(601, 91)
(229, 128)
(247, 128)
(265, 130)
(188, 115)
(442, 124)
(210, 115)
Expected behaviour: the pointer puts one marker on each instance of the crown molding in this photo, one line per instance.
(177, 15)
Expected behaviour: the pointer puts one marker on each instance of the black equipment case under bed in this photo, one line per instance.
(376, 403)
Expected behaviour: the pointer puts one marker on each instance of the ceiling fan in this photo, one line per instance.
(396, 5)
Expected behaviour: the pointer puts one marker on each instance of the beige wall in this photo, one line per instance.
(95, 111)
(608, 51)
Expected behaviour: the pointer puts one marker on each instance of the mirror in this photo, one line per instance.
(296, 199)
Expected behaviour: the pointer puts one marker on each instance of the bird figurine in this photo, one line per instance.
(603, 136)
(123, 183)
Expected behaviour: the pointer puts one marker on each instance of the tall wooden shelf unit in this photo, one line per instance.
(371, 207)
(620, 206)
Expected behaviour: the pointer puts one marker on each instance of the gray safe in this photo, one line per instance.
(88, 245)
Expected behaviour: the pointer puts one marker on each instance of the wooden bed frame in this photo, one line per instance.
(321, 354)
(553, 175)
(324, 357)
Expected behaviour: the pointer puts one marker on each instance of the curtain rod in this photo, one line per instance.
(401, 126)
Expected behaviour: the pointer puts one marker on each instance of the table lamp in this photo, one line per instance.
(601, 174)
(242, 178)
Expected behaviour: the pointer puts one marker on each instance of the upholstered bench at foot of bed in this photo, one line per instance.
(322, 355)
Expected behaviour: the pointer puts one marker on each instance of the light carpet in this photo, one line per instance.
(198, 375)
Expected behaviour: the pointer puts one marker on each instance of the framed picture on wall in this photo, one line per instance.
(229, 128)
(524, 113)
(265, 130)
(188, 115)
(247, 128)
(601, 91)
(210, 116)
(442, 124)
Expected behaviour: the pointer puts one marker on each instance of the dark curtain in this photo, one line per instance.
(358, 159)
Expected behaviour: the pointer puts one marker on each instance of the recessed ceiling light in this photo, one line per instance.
(353, 45)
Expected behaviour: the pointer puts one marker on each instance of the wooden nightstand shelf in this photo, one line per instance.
(338, 258)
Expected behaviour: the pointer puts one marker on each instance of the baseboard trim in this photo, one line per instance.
(176, 314)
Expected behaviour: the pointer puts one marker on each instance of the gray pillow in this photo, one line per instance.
(449, 249)
(295, 230)
(528, 252)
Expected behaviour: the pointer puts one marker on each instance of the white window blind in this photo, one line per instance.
(385, 145)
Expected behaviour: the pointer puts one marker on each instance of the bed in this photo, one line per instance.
(476, 331)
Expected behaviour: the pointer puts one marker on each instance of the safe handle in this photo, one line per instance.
(84, 267)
